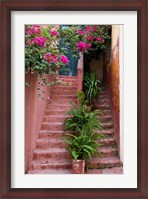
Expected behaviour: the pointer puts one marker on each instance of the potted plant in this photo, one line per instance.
(82, 146)
(85, 130)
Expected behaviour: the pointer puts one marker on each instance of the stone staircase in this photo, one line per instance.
(110, 162)
(50, 155)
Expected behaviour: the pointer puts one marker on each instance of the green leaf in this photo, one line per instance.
(74, 154)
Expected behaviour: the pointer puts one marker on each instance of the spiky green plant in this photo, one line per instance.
(80, 115)
(84, 145)
(91, 87)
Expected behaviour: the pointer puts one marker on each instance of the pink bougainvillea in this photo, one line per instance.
(50, 58)
(81, 32)
(64, 59)
(81, 46)
(40, 41)
(90, 37)
(54, 32)
(99, 39)
(88, 28)
(35, 29)
(87, 45)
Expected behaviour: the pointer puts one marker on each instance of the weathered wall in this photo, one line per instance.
(34, 112)
(113, 71)
(97, 65)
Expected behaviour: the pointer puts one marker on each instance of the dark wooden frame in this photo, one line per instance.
(141, 6)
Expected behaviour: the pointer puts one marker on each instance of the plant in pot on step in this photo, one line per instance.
(82, 129)
(82, 146)
(91, 87)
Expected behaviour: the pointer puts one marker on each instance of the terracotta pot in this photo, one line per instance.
(78, 166)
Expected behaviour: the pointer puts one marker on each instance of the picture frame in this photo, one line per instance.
(7, 6)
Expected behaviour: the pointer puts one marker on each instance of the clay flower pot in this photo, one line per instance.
(78, 166)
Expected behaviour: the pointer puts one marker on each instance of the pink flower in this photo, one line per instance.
(88, 28)
(99, 39)
(48, 57)
(55, 61)
(94, 28)
(81, 32)
(40, 41)
(87, 45)
(64, 59)
(35, 29)
(29, 42)
(81, 46)
(54, 33)
(90, 37)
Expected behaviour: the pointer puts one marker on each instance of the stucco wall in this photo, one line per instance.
(97, 65)
(113, 71)
(34, 112)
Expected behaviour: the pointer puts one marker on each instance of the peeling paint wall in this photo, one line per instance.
(113, 71)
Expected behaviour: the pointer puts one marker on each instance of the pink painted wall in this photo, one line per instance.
(113, 71)
(34, 112)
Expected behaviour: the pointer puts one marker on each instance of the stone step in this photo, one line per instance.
(63, 92)
(54, 153)
(102, 101)
(50, 143)
(50, 134)
(114, 170)
(67, 83)
(59, 142)
(53, 126)
(102, 107)
(108, 132)
(59, 97)
(55, 112)
(103, 92)
(107, 125)
(105, 118)
(106, 112)
(51, 164)
(55, 102)
(54, 118)
(50, 171)
(102, 163)
(65, 88)
(107, 151)
(109, 141)
(103, 96)
(59, 107)
(67, 77)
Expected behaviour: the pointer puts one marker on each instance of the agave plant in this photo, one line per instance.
(91, 87)
(84, 145)
(80, 115)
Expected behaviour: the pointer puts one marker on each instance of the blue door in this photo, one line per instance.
(71, 68)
